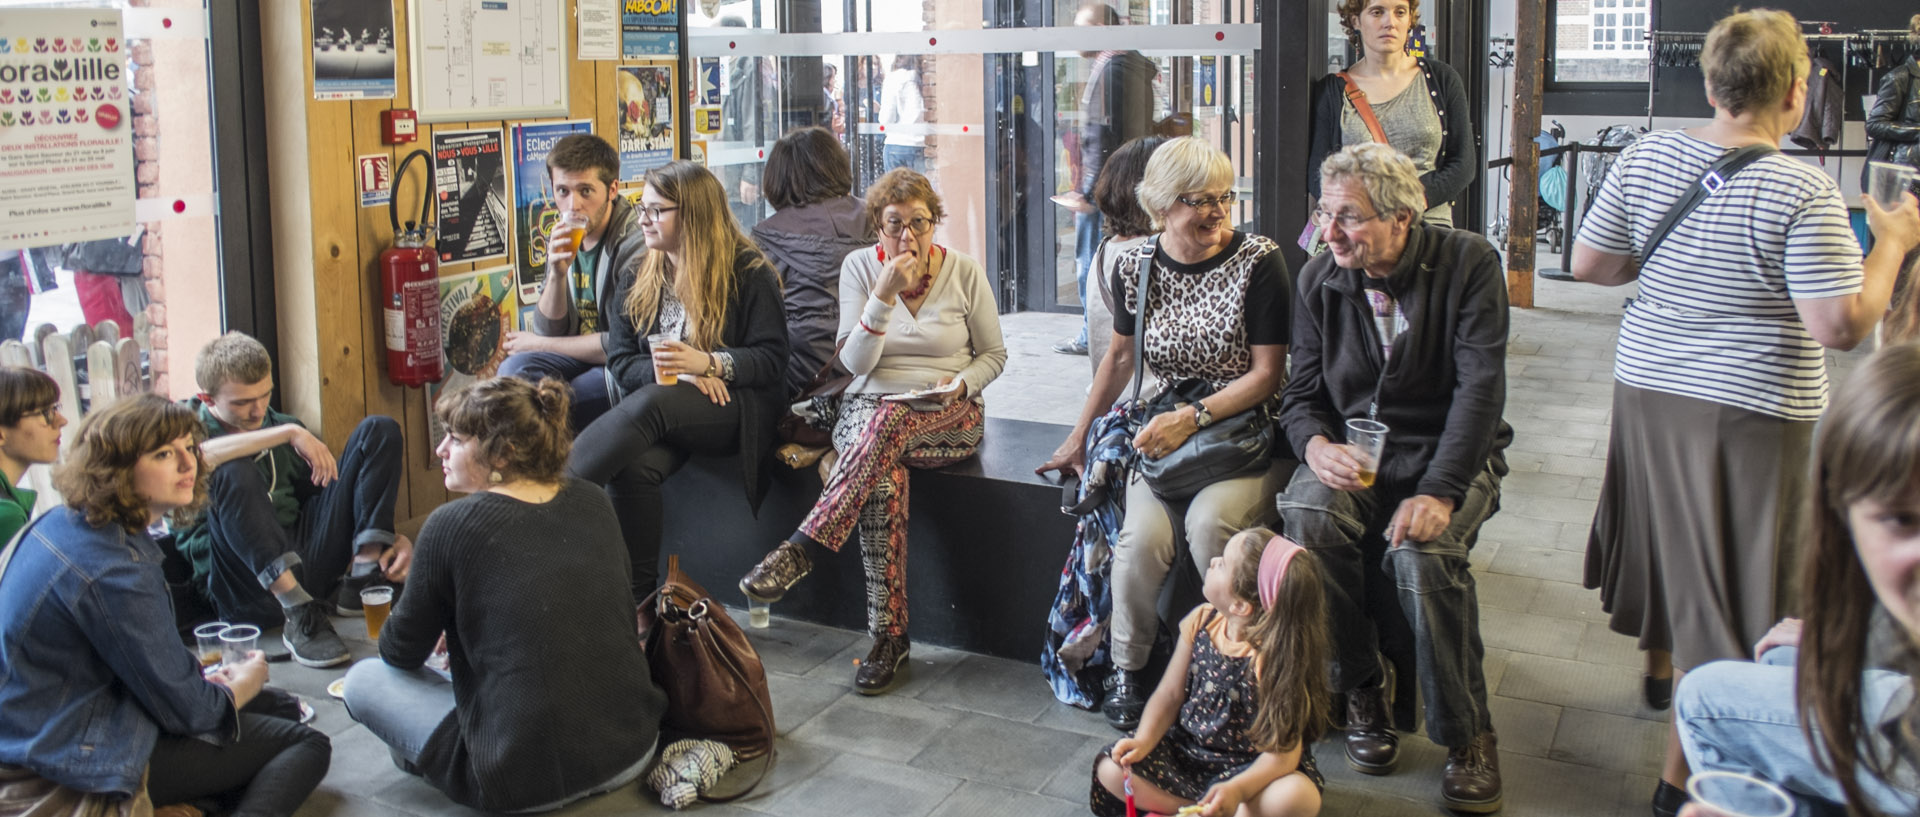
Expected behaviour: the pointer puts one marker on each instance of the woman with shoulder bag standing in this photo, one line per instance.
(1417, 105)
(1721, 369)
(913, 315)
(1218, 317)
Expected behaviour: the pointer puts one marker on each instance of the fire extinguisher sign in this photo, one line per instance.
(376, 180)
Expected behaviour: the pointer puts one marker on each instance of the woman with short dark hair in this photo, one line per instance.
(98, 695)
(1127, 226)
(816, 223)
(30, 423)
(547, 696)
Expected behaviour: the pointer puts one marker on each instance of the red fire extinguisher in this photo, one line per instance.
(410, 289)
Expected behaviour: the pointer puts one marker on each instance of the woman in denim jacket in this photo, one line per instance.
(96, 690)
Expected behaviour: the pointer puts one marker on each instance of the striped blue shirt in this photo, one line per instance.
(1715, 318)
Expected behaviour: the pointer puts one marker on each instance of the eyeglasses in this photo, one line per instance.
(894, 226)
(1223, 201)
(1348, 220)
(49, 414)
(652, 213)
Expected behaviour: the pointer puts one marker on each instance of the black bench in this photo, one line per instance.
(986, 543)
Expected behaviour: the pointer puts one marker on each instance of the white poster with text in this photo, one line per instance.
(66, 130)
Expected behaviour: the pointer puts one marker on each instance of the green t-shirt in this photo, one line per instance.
(16, 507)
(585, 301)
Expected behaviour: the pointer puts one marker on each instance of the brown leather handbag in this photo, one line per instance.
(716, 686)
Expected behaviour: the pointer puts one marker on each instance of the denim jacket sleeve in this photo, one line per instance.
(127, 615)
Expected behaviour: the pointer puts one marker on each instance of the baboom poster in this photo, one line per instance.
(66, 129)
(649, 28)
(646, 122)
(534, 211)
(470, 178)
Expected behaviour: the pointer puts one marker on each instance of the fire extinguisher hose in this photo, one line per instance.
(426, 197)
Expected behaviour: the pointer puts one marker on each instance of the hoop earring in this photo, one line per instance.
(494, 478)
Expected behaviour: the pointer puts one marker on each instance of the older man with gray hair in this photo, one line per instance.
(1404, 324)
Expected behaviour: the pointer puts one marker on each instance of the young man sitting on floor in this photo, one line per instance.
(286, 521)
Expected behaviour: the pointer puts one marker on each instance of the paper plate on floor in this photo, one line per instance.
(338, 688)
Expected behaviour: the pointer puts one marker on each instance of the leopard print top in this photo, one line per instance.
(1196, 323)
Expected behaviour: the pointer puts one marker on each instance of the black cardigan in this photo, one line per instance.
(552, 691)
(1453, 169)
(755, 333)
(1444, 392)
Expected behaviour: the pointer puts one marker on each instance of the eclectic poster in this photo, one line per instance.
(353, 53)
(470, 179)
(534, 210)
(649, 28)
(476, 310)
(646, 122)
(66, 129)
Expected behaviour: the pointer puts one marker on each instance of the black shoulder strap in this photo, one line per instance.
(1710, 181)
(1140, 314)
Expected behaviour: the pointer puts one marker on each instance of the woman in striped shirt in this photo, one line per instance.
(1720, 371)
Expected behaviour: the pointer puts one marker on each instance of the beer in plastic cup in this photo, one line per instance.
(237, 641)
(1886, 181)
(574, 227)
(1367, 439)
(758, 616)
(207, 647)
(1730, 794)
(376, 602)
(653, 347)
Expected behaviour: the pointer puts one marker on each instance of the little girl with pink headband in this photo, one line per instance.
(1230, 730)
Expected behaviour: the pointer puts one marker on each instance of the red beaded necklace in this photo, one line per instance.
(926, 281)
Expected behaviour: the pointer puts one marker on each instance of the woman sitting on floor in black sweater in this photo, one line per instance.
(550, 698)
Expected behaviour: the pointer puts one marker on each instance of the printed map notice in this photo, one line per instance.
(489, 59)
(66, 129)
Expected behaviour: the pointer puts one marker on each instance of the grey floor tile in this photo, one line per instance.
(1613, 742)
(926, 665)
(1575, 511)
(973, 799)
(884, 726)
(1530, 633)
(1520, 530)
(1007, 753)
(1417, 778)
(1574, 537)
(1074, 719)
(1505, 592)
(1591, 466)
(1526, 727)
(1341, 801)
(995, 686)
(796, 699)
(1537, 786)
(1577, 684)
(1603, 646)
(851, 784)
(1520, 461)
(361, 766)
(331, 803)
(794, 764)
(1481, 557)
(1549, 444)
(1541, 484)
(415, 795)
(1568, 600)
(1074, 777)
(1539, 563)
(1636, 794)
(1495, 667)
(797, 647)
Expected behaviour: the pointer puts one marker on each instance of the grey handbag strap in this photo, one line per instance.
(1140, 314)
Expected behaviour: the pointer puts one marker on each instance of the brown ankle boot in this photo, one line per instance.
(881, 669)
(769, 581)
(1471, 782)
(1372, 747)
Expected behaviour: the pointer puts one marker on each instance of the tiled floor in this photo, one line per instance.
(971, 735)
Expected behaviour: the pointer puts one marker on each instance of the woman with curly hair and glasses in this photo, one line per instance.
(99, 695)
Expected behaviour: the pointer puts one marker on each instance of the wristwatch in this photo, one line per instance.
(1201, 416)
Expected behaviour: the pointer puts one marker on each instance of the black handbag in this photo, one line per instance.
(1226, 448)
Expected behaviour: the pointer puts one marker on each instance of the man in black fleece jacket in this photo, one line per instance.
(1407, 324)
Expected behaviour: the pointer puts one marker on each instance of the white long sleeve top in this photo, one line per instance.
(957, 330)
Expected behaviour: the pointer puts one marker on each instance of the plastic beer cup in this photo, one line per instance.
(665, 378)
(1367, 439)
(237, 641)
(376, 602)
(207, 647)
(1730, 794)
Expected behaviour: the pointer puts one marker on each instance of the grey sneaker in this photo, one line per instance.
(346, 599)
(311, 639)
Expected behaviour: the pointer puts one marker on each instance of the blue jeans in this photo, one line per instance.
(403, 707)
(1428, 584)
(589, 381)
(907, 156)
(1086, 239)
(1736, 716)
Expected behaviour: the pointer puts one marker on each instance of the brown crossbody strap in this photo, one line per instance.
(1360, 106)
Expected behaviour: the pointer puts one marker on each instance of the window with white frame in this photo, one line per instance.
(1601, 40)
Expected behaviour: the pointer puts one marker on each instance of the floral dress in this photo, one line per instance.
(1208, 742)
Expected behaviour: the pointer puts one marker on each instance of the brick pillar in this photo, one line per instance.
(146, 155)
(930, 83)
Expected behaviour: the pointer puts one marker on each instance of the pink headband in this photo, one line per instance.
(1273, 567)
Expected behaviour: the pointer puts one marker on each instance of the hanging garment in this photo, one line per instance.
(1820, 128)
(1076, 658)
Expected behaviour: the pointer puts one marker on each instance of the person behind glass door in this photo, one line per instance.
(1420, 102)
(1116, 107)
(99, 695)
(914, 315)
(748, 115)
(902, 112)
(704, 286)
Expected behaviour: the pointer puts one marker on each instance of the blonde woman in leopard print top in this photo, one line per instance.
(1218, 307)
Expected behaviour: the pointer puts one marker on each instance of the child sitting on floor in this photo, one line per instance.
(1230, 728)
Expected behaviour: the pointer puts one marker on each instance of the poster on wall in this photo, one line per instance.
(534, 211)
(646, 121)
(599, 25)
(649, 28)
(470, 179)
(488, 59)
(66, 130)
(476, 310)
(353, 53)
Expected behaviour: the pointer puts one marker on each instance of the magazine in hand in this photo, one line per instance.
(927, 399)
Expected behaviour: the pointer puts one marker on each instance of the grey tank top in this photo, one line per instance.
(1412, 122)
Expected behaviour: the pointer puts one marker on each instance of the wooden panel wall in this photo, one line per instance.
(348, 240)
